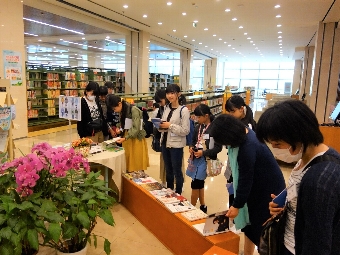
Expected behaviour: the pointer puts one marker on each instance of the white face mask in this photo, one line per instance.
(285, 155)
(91, 98)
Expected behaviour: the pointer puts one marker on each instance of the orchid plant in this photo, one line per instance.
(52, 185)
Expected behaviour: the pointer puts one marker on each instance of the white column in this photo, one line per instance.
(12, 38)
(297, 77)
(143, 61)
(184, 72)
(210, 66)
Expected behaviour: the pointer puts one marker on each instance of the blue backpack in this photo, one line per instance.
(192, 128)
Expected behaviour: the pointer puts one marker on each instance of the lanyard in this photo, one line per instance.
(200, 134)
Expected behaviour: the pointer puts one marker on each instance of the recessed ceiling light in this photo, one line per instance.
(148, 41)
(280, 32)
(185, 36)
(83, 38)
(107, 37)
(160, 23)
(254, 44)
(200, 43)
(39, 40)
(206, 29)
(193, 40)
(237, 51)
(211, 49)
(227, 10)
(245, 33)
(280, 43)
(214, 35)
(251, 41)
(280, 40)
(233, 48)
(220, 39)
(174, 30)
(125, 6)
(195, 21)
(168, 3)
(279, 36)
(46, 24)
(229, 45)
(205, 46)
(225, 42)
(277, 6)
(278, 16)
(145, 16)
(184, 13)
(233, 19)
(280, 47)
(240, 27)
(248, 38)
(279, 25)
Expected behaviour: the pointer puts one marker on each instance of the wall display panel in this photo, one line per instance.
(269, 74)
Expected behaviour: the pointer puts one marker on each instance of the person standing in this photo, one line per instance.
(132, 133)
(313, 193)
(91, 124)
(256, 176)
(102, 100)
(176, 124)
(110, 87)
(202, 146)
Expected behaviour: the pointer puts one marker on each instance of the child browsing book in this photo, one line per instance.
(202, 146)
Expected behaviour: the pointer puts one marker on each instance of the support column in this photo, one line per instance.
(12, 39)
(326, 70)
(93, 61)
(297, 77)
(137, 62)
(306, 82)
(210, 67)
(184, 72)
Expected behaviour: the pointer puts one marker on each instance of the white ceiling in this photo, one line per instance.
(97, 19)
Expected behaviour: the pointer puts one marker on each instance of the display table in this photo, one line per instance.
(215, 250)
(113, 160)
(174, 231)
(331, 136)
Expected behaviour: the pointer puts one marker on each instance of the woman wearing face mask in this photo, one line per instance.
(256, 176)
(176, 124)
(91, 124)
(313, 193)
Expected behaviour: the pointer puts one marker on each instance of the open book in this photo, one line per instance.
(215, 224)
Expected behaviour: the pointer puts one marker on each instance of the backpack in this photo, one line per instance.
(148, 126)
(192, 128)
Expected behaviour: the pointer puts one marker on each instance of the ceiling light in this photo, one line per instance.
(30, 34)
(278, 16)
(174, 30)
(39, 40)
(160, 23)
(200, 43)
(205, 46)
(280, 47)
(214, 35)
(251, 41)
(254, 44)
(237, 51)
(185, 36)
(211, 49)
(233, 19)
(145, 16)
(195, 21)
(240, 27)
(279, 25)
(148, 41)
(277, 6)
(225, 42)
(280, 32)
(46, 24)
(248, 38)
(245, 33)
(184, 13)
(280, 44)
(193, 40)
(107, 37)
(206, 29)
(83, 38)
(227, 10)
(280, 40)
(125, 6)
(169, 3)
(229, 45)
(233, 48)
(220, 39)
(279, 36)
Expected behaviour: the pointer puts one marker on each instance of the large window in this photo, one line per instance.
(197, 74)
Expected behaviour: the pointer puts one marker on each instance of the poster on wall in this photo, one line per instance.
(70, 108)
(5, 118)
(12, 67)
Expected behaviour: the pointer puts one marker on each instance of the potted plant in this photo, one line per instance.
(60, 194)
(82, 145)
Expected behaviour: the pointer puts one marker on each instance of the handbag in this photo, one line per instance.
(95, 125)
(214, 167)
(272, 235)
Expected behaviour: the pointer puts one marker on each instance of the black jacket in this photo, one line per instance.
(82, 126)
(209, 152)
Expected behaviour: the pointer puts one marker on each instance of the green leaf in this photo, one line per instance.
(101, 195)
(58, 196)
(106, 215)
(107, 247)
(92, 213)
(6, 233)
(2, 219)
(84, 219)
(95, 241)
(99, 183)
(55, 231)
(54, 217)
(6, 249)
(32, 236)
(68, 195)
(12, 206)
(15, 239)
(48, 206)
(19, 225)
(88, 195)
(25, 205)
(92, 202)
(69, 230)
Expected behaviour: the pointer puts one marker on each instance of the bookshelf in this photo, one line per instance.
(159, 81)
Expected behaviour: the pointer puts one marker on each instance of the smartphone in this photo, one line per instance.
(281, 198)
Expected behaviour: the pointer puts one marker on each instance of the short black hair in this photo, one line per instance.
(103, 91)
(109, 85)
(203, 109)
(291, 121)
(234, 102)
(171, 88)
(227, 130)
(112, 100)
(156, 105)
(159, 95)
(92, 86)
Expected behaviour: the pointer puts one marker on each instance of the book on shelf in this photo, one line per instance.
(171, 197)
(144, 180)
(152, 186)
(181, 206)
(214, 224)
(193, 215)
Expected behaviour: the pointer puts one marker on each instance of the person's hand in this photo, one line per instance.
(198, 153)
(273, 207)
(232, 212)
(120, 140)
(191, 150)
(112, 133)
(164, 124)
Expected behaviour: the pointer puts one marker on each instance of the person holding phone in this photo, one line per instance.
(313, 193)
(132, 133)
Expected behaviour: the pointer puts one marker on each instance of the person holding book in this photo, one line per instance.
(132, 133)
(313, 193)
(256, 176)
(202, 146)
(176, 124)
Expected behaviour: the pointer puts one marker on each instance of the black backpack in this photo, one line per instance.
(148, 126)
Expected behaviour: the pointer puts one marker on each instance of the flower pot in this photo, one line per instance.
(83, 150)
(82, 252)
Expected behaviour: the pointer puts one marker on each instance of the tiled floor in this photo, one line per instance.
(130, 237)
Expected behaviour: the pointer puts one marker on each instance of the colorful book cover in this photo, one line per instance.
(182, 206)
(144, 180)
(215, 224)
(152, 186)
(172, 197)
